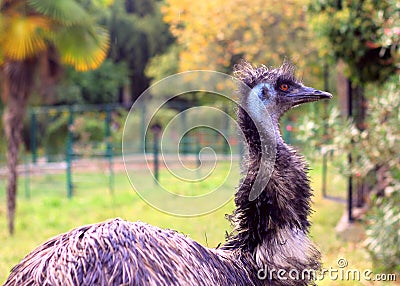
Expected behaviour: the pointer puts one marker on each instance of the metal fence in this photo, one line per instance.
(65, 143)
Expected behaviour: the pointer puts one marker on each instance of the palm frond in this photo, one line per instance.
(66, 12)
(103, 3)
(23, 37)
(82, 47)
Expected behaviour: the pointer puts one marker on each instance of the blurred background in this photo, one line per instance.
(71, 70)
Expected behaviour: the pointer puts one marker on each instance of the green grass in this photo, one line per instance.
(48, 212)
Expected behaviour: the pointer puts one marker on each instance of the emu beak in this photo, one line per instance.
(306, 94)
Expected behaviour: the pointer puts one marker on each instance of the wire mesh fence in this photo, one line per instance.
(69, 149)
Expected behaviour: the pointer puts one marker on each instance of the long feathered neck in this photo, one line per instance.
(273, 227)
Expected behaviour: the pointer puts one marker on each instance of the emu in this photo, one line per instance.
(270, 231)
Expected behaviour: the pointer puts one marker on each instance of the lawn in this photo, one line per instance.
(48, 212)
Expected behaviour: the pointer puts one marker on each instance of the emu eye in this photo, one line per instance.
(284, 87)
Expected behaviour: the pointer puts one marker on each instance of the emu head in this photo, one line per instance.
(277, 89)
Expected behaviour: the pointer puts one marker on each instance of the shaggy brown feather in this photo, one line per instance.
(118, 252)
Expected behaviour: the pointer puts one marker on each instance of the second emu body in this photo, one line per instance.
(270, 232)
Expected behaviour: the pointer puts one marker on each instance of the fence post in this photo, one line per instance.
(350, 159)
(325, 132)
(33, 137)
(185, 138)
(324, 172)
(226, 147)
(27, 177)
(109, 151)
(156, 129)
(143, 128)
(197, 153)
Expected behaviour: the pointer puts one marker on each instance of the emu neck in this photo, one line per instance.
(274, 226)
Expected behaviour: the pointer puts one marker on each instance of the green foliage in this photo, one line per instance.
(89, 133)
(93, 87)
(55, 136)
(357, 31)
(65, 11)
(318, 131)
(379, 151)
(163, 65)
(376, 149)
(88, 129)
(140, 7)
(118, 119)
(390, 35)
(375, 146)
(137, 34)
(384, 231)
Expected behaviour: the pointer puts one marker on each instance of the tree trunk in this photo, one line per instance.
(13, 123)
(17, 80)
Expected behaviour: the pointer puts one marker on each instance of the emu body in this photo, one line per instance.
(119, 252)
(270, 230)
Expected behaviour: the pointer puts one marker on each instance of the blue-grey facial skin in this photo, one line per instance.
(267, 94)
(277, 101)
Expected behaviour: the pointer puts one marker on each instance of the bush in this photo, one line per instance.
(55, 137)
(93, 87)
(376, 150)
(383, 232)
(89, 133)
